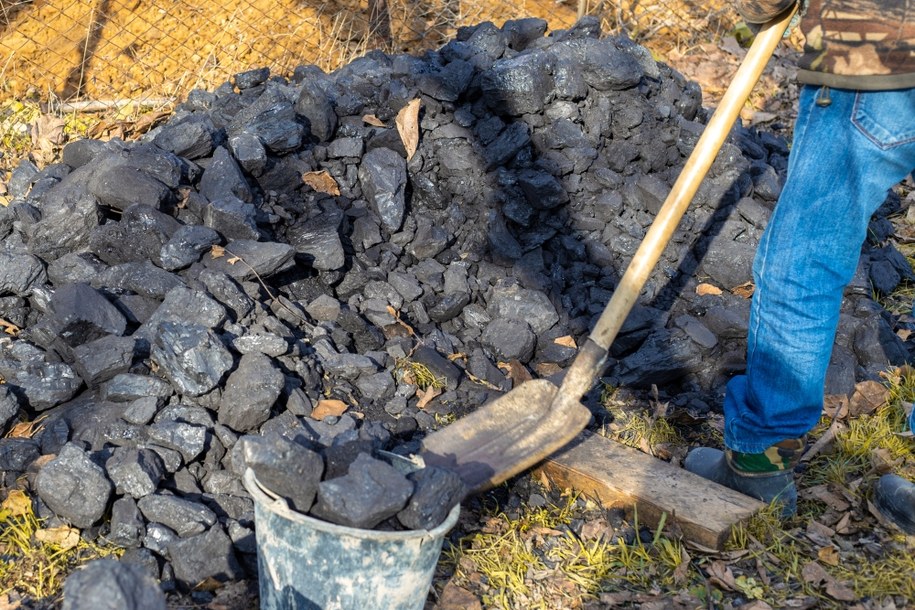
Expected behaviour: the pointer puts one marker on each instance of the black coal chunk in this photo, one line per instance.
(436, 492)
(74, 487)
(370, 492)
(109, 583)
(286, 468)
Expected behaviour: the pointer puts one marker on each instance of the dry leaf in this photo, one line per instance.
(829, 555)
(408, 127)
(833, 403)
(217, 252)
(545, 369)
(10, 328)
(426, 396)
(844, 526)
(814, 573)
(64, 536)
(26, 429)
(233, 260)
(322, 182)
(882, 462)
(721, 575)
(16, 504)
(744, 290)
(328, 407)
(371, 119)
(829, 498)
(454, 597)
(839, 591)
(7, 604)
(708, 289)
(566, 341)
(867, 398)
(516, 372)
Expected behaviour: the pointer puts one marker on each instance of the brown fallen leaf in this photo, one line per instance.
(64, 536)
(217, 252)
(233, 260)
(408, 126)
(744, 290)
(371, 119)
(26, 429)
(708, 289)
(426, 396)
(835, 403)
(566, 341)
(10, 328)
(827, 497)
(322, 182)
(814, 573)
(454, 597)
(721, 575)
(17, 503)
(840, 591)
(516, 371)
(829, 555)
(328, 407)
(867, 398)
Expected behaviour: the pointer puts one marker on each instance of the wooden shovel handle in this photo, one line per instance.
(583, 371)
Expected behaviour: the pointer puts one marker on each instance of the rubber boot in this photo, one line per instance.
(895, 499)
(717, 466)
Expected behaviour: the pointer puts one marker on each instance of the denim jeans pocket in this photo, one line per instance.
(886, 118)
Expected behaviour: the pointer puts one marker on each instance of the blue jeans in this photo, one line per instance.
(844, 158)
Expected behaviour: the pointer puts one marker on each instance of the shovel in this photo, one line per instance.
(529, 423)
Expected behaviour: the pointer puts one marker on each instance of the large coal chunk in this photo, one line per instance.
(120, 186)
(436, 492)
(19, 273)
(81, 314)
(100, 360)
(108, 584)
(370, 492)
(207, 555)
(135, 472)
(74, 487)
(383, 175)
(520, 85)
(191, 357)
(286, 468)
(250, 393)
(39, 383)
(185, 517)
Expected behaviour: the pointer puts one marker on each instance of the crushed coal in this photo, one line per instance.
(189, 302)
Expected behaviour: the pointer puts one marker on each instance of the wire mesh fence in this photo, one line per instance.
(122, 56)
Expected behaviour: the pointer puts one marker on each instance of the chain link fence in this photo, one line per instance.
(125, 58)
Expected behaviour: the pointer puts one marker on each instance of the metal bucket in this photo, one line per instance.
(307, 564)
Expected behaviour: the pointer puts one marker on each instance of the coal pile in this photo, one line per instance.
(275, 244)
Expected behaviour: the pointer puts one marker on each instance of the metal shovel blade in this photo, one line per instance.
(519, 429)
(505, 436)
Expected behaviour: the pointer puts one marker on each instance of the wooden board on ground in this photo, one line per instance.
(619, 476)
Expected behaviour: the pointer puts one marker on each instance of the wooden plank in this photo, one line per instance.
(619, 476)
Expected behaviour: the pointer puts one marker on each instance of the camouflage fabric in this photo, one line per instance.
(850, 44)
(777, 458)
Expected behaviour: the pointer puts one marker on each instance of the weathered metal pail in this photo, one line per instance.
(308, 564)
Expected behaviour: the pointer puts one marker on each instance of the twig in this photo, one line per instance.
(828, 437)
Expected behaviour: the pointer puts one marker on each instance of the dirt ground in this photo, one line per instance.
(152, 49)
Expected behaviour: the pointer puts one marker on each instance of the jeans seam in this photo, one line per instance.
(864, 132)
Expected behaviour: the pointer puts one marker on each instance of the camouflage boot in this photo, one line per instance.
(895, 499)
(765, 476)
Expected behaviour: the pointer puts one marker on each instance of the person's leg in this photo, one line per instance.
(844, 158)
(837, 177)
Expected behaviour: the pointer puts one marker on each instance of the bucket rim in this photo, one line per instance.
(279, 506)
